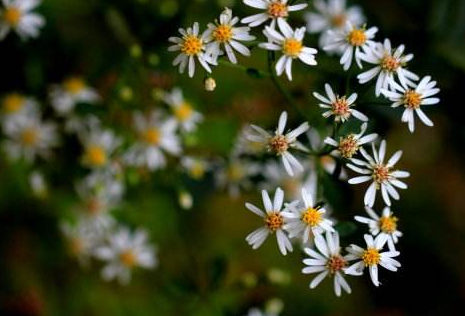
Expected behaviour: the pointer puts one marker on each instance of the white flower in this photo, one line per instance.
(382, 174)
(67, 95)
(16, 15)
(29, 137)
(280, 143)
(412, 99)
(339, 106)
(328, 261)
(257, 312)
(195, 167)
(80, 242)
(14, 106)
(224, 33)
(371, 257)
(350, 41)
(389, 63)
(331, 14)
(274, 222)
(191, 46)
(124, 252)
(244, 146)
(38, 184)
(349, 145)
(183, 111)
(235, 175)
(290, 43)
(274, 10)
(385, 225)
(156, 136)
(99, 145)
(306, 220)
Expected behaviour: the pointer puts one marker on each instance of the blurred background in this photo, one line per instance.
(206, 267)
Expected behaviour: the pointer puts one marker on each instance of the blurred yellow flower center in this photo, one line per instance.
(348, 146)
(222, 33)
(338, 20)
(93, 206)
(292, 47)
(341, 106)
(76, 246)
(13, 103)
(311, 217)
(191, 45)
(96, 156)
(381, 173)
(357, 37)
(197, 170)
(335, 263)
(128, 258)
(277, 9)
(74, 85)
(29, 136)
(371, 257)
(12, 16)
(152, 136)
(412, 99)
(183, 112)
(279, 144)
(235, 172)
(274, 221)
(388, 224)
(390, 63)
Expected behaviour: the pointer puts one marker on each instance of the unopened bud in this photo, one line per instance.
(185, 200)
(210, 84)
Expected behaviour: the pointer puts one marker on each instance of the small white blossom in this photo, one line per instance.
(15, 106)
(274, 10)
(235, 175)
(183, 111)
(80, 242)
(349, 145)
(16, 15)
(195, 167)
(38, 184)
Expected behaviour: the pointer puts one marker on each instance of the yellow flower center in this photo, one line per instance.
(96, 156)
(197, 171)
(128, 258)
(235, 172)
(341, 106)
(277, 9)
(357, 37)
(191, 45)
(183, 112)
(12, 16)
(388, 224)
(412, 99)
(381, 173)
(335, 263)
(29, 136)
(278, 144)
(274, 221)
(13, 103)
(74, 85)
(348, 146)
(292, 47)
(390, 64)
(93, 206)
(371, 257)
(76, 246)
(338, 20)
(222, 33)
(152, 136)
(312, 217)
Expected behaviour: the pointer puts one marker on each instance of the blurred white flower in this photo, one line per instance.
(14, 106)
(17, 16)
(245, 146)
(290, 43)
(349, 145)
(124, 252)
(195, 167)
(38, 185)
(65, 96)
(80, 242)
(412, 99)
(182, 110)
(371, 257)
(274, 222)
(235, 175)
(274, 10)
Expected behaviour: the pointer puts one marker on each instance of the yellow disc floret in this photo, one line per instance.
(274, 221)
(191, 45)
(183, 112)
(371, 257)
(152, 136)
(277, 9)
(388, 224)
(128, 258)
(12, 16)
(96, 156)
(222, 33)
(312, 217)
(357, 37)
(412, 99)
(278, 144)
(292, 47)
(29, 137)
(74, 85)
(13, 103)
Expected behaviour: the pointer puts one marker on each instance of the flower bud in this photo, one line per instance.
(210, 84)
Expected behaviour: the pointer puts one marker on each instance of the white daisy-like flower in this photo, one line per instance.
(225, 34)
(156, 136)
(244, 146)
(65, 96)
(290, 43)
(382, 174)
(191, 46)
(182, 110)
(349, 145)
(16, 15)
(274, 222)
(327, 262)
(340, 107)
(195, 167)
(371, 257)
(280, 143)
(235, 175)
(412, 99)
(274, 10)
(80, 243)
(330, 15)
(351, 41)
(124, 252)
(30, 137)
(99, 145)
(15, 105)
(307, 219)
(385, 225)
(390, 63)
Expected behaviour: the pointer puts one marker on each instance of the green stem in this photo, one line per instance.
(247, 70)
